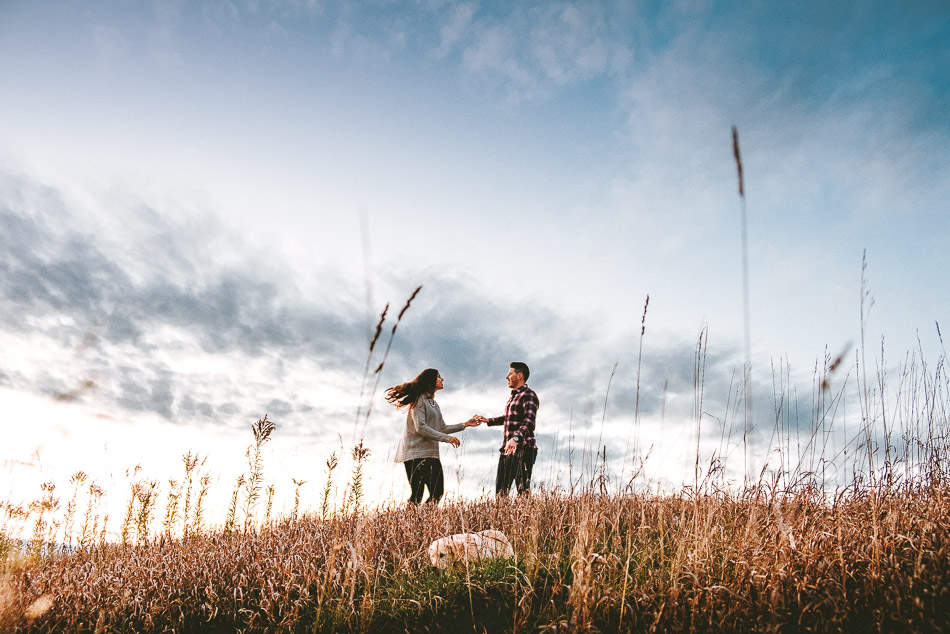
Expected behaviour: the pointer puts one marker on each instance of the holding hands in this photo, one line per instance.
(511, 447)
(475, 421)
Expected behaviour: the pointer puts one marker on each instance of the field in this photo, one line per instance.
(874, 559)
(786, 550)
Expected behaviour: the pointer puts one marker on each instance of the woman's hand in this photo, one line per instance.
(474, 421)
(455, 442)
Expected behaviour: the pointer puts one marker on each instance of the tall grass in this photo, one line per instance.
(795, 549)
(762, 559)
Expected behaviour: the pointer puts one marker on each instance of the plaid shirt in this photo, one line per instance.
(519, 418)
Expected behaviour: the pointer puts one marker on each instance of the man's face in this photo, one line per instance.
(515, 379)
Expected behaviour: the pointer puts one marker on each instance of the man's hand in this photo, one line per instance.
(511, 447)
(479, 419)
(455, 442)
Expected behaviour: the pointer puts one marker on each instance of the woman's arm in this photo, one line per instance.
(451, 429)
(418, 413)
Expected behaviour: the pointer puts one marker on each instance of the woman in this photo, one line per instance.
(418, 449)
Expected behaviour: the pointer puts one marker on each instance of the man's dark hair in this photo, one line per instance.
(521, 368)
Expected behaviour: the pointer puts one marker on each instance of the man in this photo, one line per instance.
(519, 448)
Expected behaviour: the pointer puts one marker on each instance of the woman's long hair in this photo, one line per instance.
(408, 393)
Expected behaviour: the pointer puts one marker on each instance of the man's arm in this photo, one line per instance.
(529, 406)
(494, 421)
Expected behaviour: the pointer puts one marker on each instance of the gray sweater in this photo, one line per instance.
(425, 429)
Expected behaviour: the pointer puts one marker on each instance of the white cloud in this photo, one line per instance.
(566, 42)
(456, 28)
(493, 53)
(532, 53)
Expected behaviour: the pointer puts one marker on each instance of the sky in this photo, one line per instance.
(205, 208)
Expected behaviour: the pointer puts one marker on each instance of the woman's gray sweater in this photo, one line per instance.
(425, 429)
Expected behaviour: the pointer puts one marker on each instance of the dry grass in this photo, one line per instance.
(789, 553)
(762, 560)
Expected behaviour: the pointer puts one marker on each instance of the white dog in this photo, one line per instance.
(469, 548)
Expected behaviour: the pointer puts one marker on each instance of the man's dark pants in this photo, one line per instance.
(515, 468)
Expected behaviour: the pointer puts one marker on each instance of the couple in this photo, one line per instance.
(418, 449)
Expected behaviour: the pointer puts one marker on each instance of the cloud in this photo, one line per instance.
(566, 42)
(456, 27)
(532, 52)
(139, 322)
(493, 53)
(149, 388)
(188, 335)
(65, 284)
(72, 273)
(455, 326)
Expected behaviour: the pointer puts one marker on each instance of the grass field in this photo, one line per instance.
(873, 559)
(787, 550)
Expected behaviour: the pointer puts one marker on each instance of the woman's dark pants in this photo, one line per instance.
(425, 473)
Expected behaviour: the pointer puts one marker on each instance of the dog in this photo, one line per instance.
(468, 548)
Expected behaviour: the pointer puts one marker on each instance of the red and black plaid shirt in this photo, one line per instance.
(519, 418)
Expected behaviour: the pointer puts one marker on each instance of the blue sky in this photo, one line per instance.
(205, 207)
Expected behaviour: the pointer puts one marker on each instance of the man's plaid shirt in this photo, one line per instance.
(519, 418)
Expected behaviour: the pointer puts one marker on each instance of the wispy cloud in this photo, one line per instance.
(568, 42)
(456, 27)
(177, 332)
(531, 52)
(175, 303)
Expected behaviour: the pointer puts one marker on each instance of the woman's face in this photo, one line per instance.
(438, 383)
